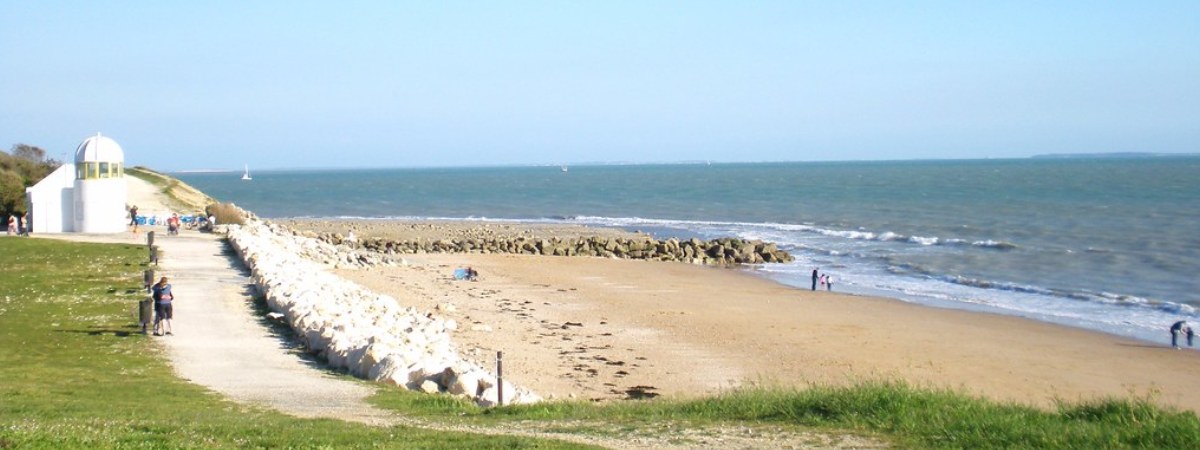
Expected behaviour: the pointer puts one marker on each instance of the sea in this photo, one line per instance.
(1105, 244)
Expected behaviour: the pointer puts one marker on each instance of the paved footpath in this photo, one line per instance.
(220, 343)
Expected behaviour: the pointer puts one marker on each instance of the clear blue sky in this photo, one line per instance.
(215, 84)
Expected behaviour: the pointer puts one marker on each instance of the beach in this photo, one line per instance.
(604, 329)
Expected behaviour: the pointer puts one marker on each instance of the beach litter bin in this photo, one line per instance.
(145, 313)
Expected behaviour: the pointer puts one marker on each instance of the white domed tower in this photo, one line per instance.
(100, 187)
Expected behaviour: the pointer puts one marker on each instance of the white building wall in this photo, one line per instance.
(100, 205)
(51, 200)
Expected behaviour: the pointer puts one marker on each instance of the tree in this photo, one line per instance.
(12, 193)
(25, 166)
(29, 152)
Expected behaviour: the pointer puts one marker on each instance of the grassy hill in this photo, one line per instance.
(183, 196)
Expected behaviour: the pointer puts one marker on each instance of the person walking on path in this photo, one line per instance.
(1181, 327)
(815, 277)
(12, 224)
(163, 310)
(133, 218)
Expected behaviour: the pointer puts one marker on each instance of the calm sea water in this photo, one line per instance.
(1104, 244)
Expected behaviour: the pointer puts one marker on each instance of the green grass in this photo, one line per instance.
(907, 416)
(76, 373)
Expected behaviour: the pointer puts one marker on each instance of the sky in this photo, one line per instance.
(293, 84)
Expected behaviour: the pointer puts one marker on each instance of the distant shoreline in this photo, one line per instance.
(205, 171)
(593, 164)
(1117, 155)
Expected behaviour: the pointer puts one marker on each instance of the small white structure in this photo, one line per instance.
(86, 197)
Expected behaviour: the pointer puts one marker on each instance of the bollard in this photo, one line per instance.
(153, 254)
(500, 378)
(148, 279)
(150, 239)
(145, 313)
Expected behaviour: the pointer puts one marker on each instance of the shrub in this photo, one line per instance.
(226, 213)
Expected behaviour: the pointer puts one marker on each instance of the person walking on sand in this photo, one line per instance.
(1180, 327)
(163, 309)
(815, 277)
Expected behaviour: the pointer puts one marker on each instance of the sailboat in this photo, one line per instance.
(246, 174)
(564, 168)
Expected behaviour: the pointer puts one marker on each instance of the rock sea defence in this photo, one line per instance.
(369, 335)
(717, 252)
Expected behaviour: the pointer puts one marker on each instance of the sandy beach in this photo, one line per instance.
(596, 328)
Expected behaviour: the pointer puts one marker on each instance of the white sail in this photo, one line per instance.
(246, 174)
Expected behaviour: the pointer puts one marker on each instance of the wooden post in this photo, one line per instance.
(500, 378)
(150, 246)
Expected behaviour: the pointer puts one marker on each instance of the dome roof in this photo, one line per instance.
(99, 148)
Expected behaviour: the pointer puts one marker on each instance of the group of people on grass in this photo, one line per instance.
(18, 225)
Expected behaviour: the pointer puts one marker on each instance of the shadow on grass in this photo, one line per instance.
(127, 331)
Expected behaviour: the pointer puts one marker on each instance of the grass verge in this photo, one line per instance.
(76, 373)
(907, 416)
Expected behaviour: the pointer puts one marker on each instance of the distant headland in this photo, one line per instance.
(1116, 155)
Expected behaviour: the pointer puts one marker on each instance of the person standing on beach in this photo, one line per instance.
(1178, 328)
(815, 277)
(163, 309)
(828, 282)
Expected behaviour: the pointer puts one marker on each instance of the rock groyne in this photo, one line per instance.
(720, 252)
